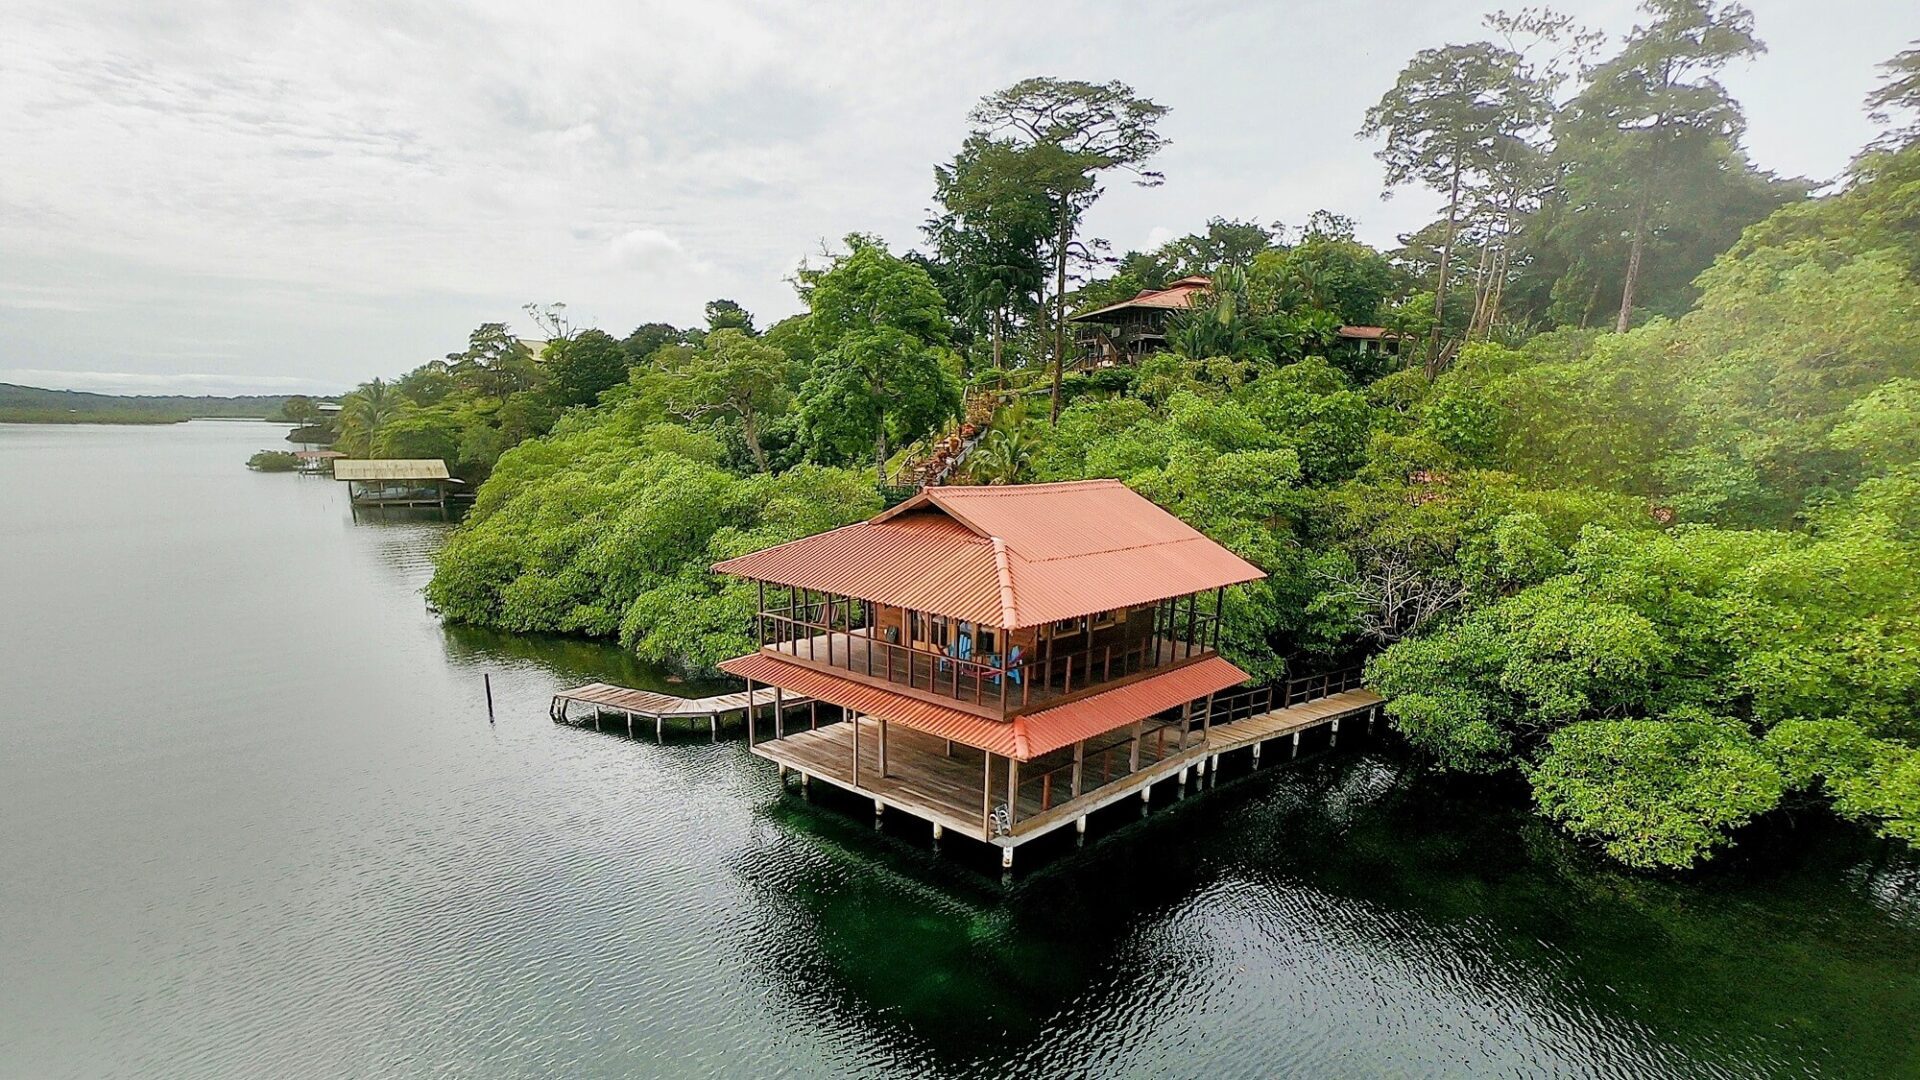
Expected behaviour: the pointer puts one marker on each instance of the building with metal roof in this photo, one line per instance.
(394, 482)
(1022, 627)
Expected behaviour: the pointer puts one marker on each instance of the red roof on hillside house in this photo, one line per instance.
(1009, 556)
(1025, 736)
(1178, 295)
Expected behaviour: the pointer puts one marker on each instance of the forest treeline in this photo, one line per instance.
(1633, 511)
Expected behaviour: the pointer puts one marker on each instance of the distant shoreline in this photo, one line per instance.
(32, 416)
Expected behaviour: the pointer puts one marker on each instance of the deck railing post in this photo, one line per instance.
(1013, 791)
(750, 704)
(779, 713)
(986, 796)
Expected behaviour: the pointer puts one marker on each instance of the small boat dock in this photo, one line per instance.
(645, 704)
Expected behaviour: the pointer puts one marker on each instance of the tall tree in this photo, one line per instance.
(495, 362)
(1447, 121)
(581, 367)
(726, 314)
(1225, 243)
(1074, 132)
(365, 412)
(1654, 117)
(734, 375)
(1898, 93)
(879, 379)
(995, 220)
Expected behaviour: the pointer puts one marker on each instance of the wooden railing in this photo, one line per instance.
(990, 681)
(1326, 684)
(1102, 762)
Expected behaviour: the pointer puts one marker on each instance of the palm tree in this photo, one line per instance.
(364, 412)
(1001, 457)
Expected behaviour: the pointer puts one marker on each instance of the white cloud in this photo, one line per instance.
(649, 250)
(331, 192)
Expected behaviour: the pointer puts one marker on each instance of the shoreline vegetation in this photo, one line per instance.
(1616, 486)
(36, 405)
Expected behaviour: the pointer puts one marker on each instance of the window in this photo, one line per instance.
(1103, 619)
(927, 631)
(1066, 628)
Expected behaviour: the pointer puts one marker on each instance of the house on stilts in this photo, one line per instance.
(1007, 659)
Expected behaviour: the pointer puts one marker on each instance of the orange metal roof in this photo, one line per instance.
(1365, 333)
(1180, 294)
(1009, 556)
(1024, 737)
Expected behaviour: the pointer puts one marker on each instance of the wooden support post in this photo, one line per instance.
(883, 748)
(1079, 762)
(1334, 739)
(986, 796)
(813, 715)
(1296, 745)
(1080, 825)
(1013, 791)
(1146, 795)
(1256, 755)
(1133, 749)
(1006, 857)
(938, 832)
(751, 702)
(779, 713)
(659, 728)
(853, 717)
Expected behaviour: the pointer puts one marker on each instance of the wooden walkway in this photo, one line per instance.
(1256, 730)
(658, 707)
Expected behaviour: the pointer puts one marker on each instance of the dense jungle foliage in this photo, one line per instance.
(1663, 563)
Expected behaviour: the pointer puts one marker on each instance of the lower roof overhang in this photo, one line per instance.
(1022, 737)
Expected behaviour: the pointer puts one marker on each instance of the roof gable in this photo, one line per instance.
(1008, 556)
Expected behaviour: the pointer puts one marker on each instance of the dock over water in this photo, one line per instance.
(636, 704)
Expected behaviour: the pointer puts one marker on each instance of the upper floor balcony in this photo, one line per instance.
(989, 670)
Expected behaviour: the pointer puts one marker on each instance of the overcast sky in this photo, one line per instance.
(252, 195)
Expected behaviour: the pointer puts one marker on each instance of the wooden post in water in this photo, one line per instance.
(486, 680)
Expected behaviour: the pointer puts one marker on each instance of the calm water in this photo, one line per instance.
(256, 823)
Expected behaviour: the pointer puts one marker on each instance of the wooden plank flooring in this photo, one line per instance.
(647, 703)
(1286, 721)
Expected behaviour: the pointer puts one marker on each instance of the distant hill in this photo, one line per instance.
(34, 405)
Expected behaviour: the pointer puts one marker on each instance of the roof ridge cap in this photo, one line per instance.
(1009, 612)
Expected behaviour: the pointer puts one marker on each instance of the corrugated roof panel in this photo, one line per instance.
(1064, 725)
(1070, 549)
(390, 469)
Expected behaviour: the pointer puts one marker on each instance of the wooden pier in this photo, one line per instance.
(637, 704)
(964, 790)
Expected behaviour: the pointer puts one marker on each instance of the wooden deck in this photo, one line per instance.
(950, 786)
(1255, 730)
(955, 787)
(659, 707)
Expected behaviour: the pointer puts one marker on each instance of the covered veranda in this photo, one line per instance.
(1004, 782)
